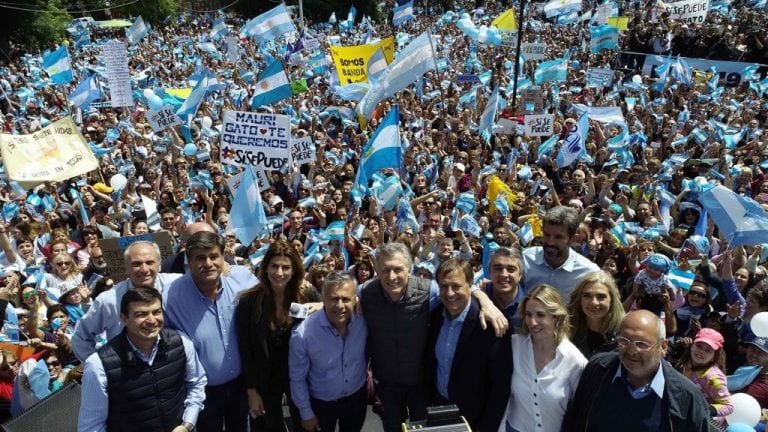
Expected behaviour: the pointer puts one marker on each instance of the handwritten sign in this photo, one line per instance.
(597, 77)
(688, 10)
(163, 119)
(261, 177)
(114, 249)
(534, 51)
(303, 150)
(118, 76)
(257, 139)
(467, 79)
(533, 101)
(539, 125)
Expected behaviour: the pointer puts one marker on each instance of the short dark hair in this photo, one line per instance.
(139, 294)
(204, 240)
(455, 265)
(563, 216)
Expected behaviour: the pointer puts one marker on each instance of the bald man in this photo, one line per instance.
(177, 263)
(635, 389)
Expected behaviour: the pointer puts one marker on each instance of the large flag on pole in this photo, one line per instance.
(403, 13)
(57, 66)
(741, 220)
(273, 85)
(413, 61)
(86, 92)
(270, 25)
(489, 115)
(247, 218)
(137, 31)
(383, 150)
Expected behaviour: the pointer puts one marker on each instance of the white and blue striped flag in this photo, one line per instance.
(740, 219)
(219, 29)
(383, 150)
(188, 108)
(405, 217)
(57, 66)
(270, 25)
(402, 13)
(682, 279)
(551, 70)
(137, 31)
(603, 37)
(502, 205)
(273, 86)
(526, 234)
(488, 118)
(559, 7)
(335, 231)
(86, 92)
(83, 38)
(246, 217)
(376, 65)
(388, 193)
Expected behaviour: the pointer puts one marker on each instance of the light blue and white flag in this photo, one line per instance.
(488, 118)
(376, 65)
(466, 202)
(388, 192)
(502, 205)
(270, 25)
(137, 31)
(383, 150)
(526, 234)
(273, 86)
(219, 29)
(559, 7)
(572, 146)
(246, 217)
(682, 279)
(551, 70)
(469, 225)
(335, 231)
(83, 38)
(405, 217)
(740, 219)
(411, 63)
(57, 66)
(402, 13)
(188, 108)
(603, 37)
(86, 92)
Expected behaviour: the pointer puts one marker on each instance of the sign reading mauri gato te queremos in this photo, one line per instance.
(257, 139)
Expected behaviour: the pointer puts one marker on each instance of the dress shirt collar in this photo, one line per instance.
(656, 384)
(146, 359)
(460, 317)
(325, 323)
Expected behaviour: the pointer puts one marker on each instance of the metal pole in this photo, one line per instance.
(301, 13)
(520, 31)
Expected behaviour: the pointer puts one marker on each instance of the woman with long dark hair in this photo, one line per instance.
(265, 321)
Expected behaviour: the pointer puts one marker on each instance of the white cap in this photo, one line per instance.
(460, 166)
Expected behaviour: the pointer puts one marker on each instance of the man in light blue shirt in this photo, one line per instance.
(202, 304)
(327, 361)
(555, 263)
(146, 378)
(142, 262)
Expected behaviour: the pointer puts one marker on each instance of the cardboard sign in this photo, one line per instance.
(534, 51)
(115, 58)
(540, 125)
(163, 119)
(505, 126)
(261, 177)
(311, 44)
(233, 53)
(597, 77)
(508, 38)
(688, 10)
(467, 79)
(533, 101)
(114, 249)
(257, 139)
(303, 150)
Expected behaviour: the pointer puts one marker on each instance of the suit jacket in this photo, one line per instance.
(479, 382)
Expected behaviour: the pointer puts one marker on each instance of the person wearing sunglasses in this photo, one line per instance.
(635, 388)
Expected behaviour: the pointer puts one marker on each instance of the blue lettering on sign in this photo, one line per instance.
(124, 242)
(467, 78)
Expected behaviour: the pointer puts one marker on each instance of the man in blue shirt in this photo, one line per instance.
(202, 304)
(146, 378)
(327, 360)
(471, 367)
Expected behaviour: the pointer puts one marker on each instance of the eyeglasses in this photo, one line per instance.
(638, 344)
(53, 364)
(28, 294)
(697, 294)
(62, 264)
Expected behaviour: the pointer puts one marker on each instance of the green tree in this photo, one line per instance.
(153, 11)
(33, 23)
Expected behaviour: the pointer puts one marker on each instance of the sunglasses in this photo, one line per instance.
(55, 363)
(697, 294)
(62, 264)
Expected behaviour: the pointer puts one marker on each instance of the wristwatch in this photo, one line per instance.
(188, 426)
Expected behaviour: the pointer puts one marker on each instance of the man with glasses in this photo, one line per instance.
(636, 389)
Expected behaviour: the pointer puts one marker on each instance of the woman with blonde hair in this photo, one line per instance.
(547, 365)
(596, 312)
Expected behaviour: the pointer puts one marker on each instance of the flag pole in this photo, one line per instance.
(520, 31)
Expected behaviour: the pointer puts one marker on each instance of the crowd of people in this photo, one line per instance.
(531, 293)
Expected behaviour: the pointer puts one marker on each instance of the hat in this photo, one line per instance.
(711, 337)
(460, 166)
(425, 265)
(66, 291)
(577, 203)
(658, 262)
(759, 342)
(275, 200)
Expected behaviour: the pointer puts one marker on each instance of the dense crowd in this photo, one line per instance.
(554, 270)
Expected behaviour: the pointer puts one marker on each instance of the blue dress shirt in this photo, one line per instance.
(445, 348)
(210, 325)
(95, 407)
(324, 365)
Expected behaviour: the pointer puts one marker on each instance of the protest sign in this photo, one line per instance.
(467, 79)
(688, 10)
(119, 78)
(303, 150)
(533, 101)
(54, 153)
(508, 38)
(163, 119)
(505, 126)
(261, 178)
(233, 54)
(114, 249)
(258, 139)
(620, 22)
(311, 44)
(534, 51)
(539, 125)
(730, 72)
(597, 77)
(352, 61)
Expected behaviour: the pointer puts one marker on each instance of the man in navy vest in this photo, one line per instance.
(146, 378)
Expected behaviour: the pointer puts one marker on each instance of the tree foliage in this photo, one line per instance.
(153, 11)
(34, 23)
(314, 10)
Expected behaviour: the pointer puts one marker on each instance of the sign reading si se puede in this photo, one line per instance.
(688, 10)
(257, 139)
(303, 150)
(163, 119)
(539, 125)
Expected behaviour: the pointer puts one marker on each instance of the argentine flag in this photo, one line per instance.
(559, 7)
(270, 25)
(552, 70)
(137, 31)
(86, 92)
(57, 66)
(376, 65)
(383, 150)
(489, 115)
(335, 231)
(219, 29)
(188, 109)
(603, 37)
(403, 13)
(273, 86)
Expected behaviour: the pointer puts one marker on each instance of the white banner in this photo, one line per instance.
(730, 72)
(258, 139)
(534, 51)
(688, 10)
(163, 119)
(597, 77)
(540, 125)
(303, 150)
(118, 76)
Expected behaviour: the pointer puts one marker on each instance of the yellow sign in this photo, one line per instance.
(620, 23)
(506, 21)
(352, 61)
(54, 153)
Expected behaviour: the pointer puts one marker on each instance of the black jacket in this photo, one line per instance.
(688, 410)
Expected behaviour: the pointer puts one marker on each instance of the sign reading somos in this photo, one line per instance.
(258, 139)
